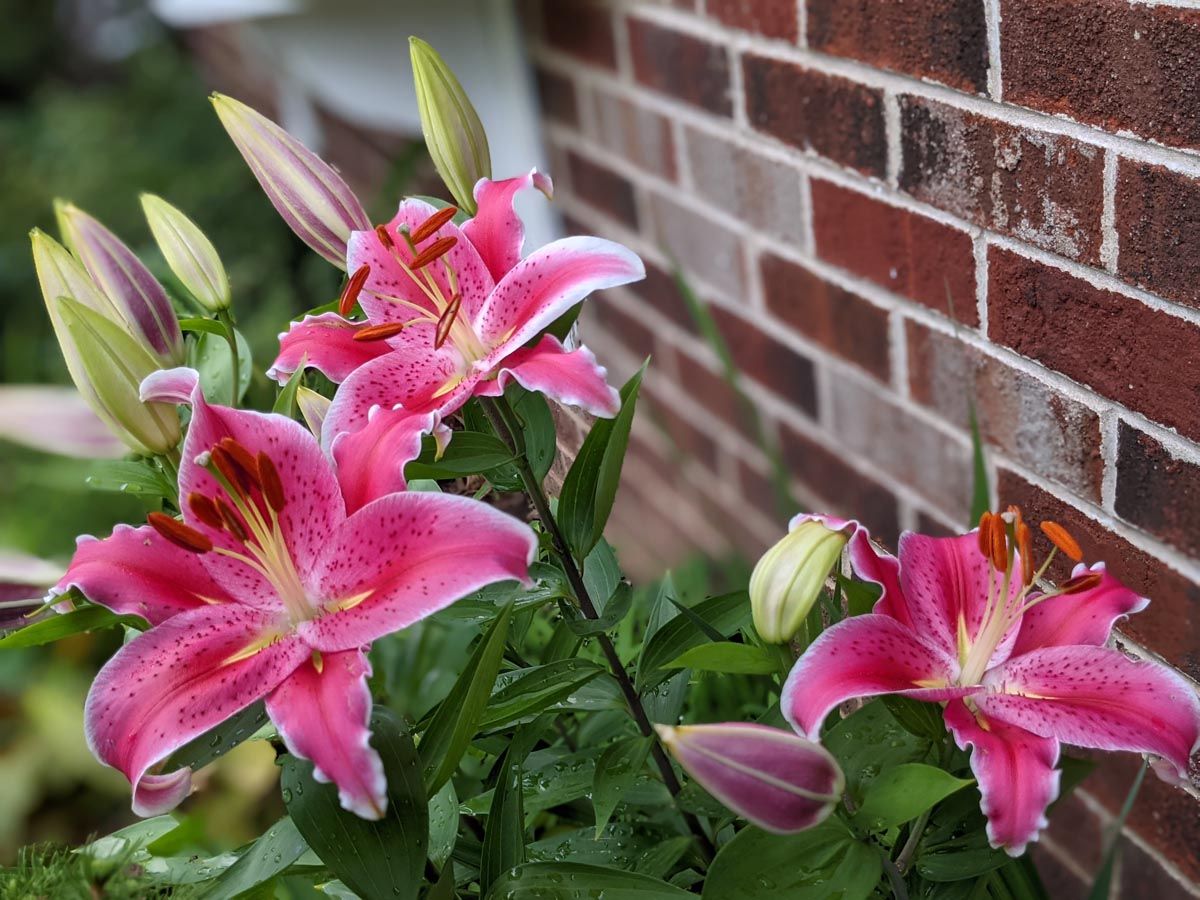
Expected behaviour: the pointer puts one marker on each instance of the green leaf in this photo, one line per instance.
(541, 434)
(285, 403)
(1102, 885)
(141, 478)
(271, 854)
(921, 719)
(443, 823)
(56, 627)
(981, 500)
(527, 692)
(739, 659)
(903, 792)
(615, 609)
(220, 740)
(209, 356)
(823, 862)
(726, 614)
(444, 889)
(575, 881)
(378, 860)
(616, 771)
(590, 487)
(870, 741)
(469, 453)
(457, 719)
(199, 325)
(504, 837)
(860, 595)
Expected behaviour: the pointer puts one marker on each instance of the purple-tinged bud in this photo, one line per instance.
(781, 782)
(312, 198)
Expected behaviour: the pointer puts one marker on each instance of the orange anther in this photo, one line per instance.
(379, 332)
(1061, 538)
(242, 459)
(231, 520)
(446, 322)
(1025, 549)
(985, 535)
(352, 289)
(999, 534)
(179, 534)
(436, 250)
(1081, 583)
(385, 237)
(272, 485)
(433, 223)
(204, 509)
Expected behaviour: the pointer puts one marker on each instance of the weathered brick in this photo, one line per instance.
(1120, 65)
(759, 191)
(632, 332)
(1170, 626)
(775, 365)
(1144, 358)
(828, 115)
(1143, 876)
(843, 487)
(844, 322)
(603, 188)
(638, 134)
(1043, 188)
(1078, 831)
(1059, 880)
(710, 249)
(1156, 491)
(1030, 421)
(760, 491)
(584, 30)
(684, 433)
(712, 391)
(557, 95)
(659, 290)
(903, 251)
(902, 446)
(682, 65)
(771, 18)
(1164, 816)
(1158, 227)
(943, 40)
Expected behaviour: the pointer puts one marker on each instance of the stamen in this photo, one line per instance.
(204, 509)
(446, 322)
(1080, 583)
(433, 223)
(229, 518)
(272, 485)
(985, 535)
(436, 250)
(1025, 549)
(999, 535)
(1061, 538)
(379, 332)
(179, 534)
(385, 237)
(243, 457)
(352, 289)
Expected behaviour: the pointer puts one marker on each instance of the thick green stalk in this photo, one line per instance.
(226, 319)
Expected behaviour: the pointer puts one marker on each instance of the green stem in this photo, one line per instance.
(225, 317)
(904, 860)
(502, 419)
(895, 878)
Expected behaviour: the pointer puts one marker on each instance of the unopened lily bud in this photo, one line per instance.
(788, 579)
(142, 302)
(111, 367)
(312, 198)
(188, 252)
(454, 135)
(779, 781)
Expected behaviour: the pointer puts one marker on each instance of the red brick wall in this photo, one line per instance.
(892, 207)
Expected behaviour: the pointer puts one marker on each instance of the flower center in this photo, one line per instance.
(1005, 541)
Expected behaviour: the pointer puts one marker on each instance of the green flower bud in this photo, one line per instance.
(788, 579)
(189, 253)
(457, 142)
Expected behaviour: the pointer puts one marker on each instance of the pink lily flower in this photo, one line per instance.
(1019, 670)
(269, 588)
(450, 312)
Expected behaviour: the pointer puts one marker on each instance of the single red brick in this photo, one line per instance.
(1032, 423)
(943, 40)
(1158, 223)
(1144, 876)
(831, 116)
(682, 65)
(1043, 188)
(711, 390)
(638, 134)
(583, 29)
(762, 494)
(637, 337)
(1144, 358)
(1112, 63)
(850, 326)
(903, 251)
(776, 366)
(927, 524)
(1059, 880)
(685, 434)
(660, 291)
(771, 18)
(557, 94)
(1165, 817)
(1077, 831)
(1156, 491)
(901, 445)
(848, 492)
(708, 248)
(603, 188)
(1170, 626)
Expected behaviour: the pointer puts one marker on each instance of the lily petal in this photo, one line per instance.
(944, 579)
(1100, 698)
(55, 419)
(1015, 771)
(325, 343)
(137, 572)
(322, 711)
(546, 284)
(869, 562)
(370, 462)
(860, 657)
(405, 556)
(572, 377)
(176, 681)
(496, 230)
(1083, 618)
